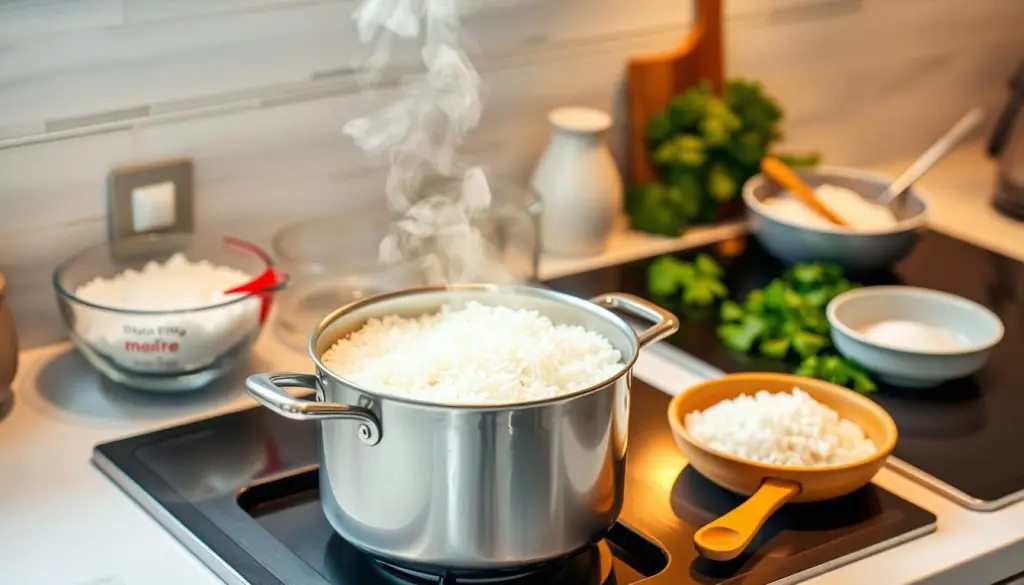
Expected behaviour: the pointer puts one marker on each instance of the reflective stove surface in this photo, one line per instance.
(963, 438)
(239, 491)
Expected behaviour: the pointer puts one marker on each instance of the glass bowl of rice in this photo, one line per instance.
(155, 312)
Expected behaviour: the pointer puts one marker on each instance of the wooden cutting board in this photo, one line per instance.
(653, 80)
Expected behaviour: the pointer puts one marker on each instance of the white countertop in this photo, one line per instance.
(63, 523)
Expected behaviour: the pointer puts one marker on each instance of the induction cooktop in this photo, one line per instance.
(963, 438)
(240, 491)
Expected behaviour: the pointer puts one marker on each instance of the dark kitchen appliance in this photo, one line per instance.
(1007, 146)
(963, 438)
(251, 512)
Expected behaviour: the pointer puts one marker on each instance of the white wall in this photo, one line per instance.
(256, 92)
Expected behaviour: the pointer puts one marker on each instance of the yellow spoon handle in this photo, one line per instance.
(726, 537)
(780, 172)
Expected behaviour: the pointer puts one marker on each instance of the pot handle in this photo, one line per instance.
(267, 390)
(665, 323)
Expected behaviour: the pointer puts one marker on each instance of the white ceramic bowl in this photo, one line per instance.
(974, 326)
(794, 243)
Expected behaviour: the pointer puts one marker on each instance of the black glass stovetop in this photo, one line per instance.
(240, 491)
(963, 438)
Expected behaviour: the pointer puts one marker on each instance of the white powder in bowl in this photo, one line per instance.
(477, 354)
(858, 212)
(172, 342)
(912, 336)
(780, 428)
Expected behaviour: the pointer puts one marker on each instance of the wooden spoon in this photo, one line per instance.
(787, 177)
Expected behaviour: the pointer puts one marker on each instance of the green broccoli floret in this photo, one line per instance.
(663, 276)
(755, 302)
(775, 348)
(682, 196)
(862, 382)
(703, 291)
(818, 298)
(659, 128)
(718, 123)
(698, 281)
(649, 211)
(742, 335)
(707, 266)
(686, 151)
(704, 148)
(775, 296)
(806, 344)
(686, 109)
(757, 109)
(722, 185)
(748, 148)
(814, 320)
(808, 368)
(730, 312)
(811, 273)
(833, 368)
(837, 370)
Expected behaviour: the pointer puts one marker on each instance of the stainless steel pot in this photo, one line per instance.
(470, 487)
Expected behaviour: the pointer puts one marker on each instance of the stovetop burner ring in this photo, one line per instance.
(416, 577)
(600, 553)
(273, 529)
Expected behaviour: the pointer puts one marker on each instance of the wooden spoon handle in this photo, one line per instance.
(787, 177)
(726, 537)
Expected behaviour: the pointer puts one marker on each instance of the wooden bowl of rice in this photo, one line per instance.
(772, 484)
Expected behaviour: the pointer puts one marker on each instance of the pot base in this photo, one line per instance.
(593, 563)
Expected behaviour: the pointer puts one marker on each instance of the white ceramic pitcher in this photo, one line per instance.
(579, 184)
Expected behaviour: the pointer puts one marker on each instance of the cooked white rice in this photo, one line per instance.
(780, 428)
(478, 354)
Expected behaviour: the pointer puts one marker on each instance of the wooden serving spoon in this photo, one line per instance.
(780, 172)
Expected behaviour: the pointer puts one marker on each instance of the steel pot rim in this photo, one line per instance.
(666, 325)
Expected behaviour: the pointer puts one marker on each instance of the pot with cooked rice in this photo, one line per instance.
(475, 428)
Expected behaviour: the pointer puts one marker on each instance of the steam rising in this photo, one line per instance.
(420, 134)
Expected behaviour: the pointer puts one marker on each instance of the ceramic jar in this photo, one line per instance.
(8, 343)
(578, 183)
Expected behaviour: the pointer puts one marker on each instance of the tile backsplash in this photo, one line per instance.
(256, 92)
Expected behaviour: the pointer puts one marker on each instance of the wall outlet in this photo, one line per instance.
(151, 197)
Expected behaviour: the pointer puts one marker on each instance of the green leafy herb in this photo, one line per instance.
(659, 128)
(703, 148)
(775, 348)
(697, 283)
(731, 311)
(807, 344)
(837, 370)
(783, 321)
(722, 186)
(787, 317)
(654, 209)
(741, 336)
(686, 109)
(681, 151)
